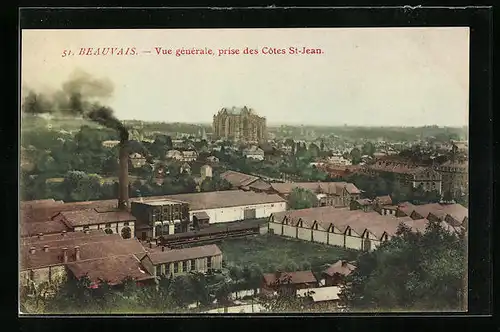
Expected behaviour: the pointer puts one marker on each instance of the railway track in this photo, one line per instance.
(208, 235)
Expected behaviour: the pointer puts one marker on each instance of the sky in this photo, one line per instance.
(364, 76)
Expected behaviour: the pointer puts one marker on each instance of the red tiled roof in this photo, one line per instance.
(340, 267)
(384, 200)
(406, 207)
(176, 255)
(333, 188)
(298, 277)
(69, 238)
(238, 179)
(343, 218)
(45, 227)
(93, 217)
(114, 271)
(88, 251)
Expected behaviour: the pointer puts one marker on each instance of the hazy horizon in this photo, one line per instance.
(367, 77)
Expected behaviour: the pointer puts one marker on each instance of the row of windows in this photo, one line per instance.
(108, 225)
(187, 265)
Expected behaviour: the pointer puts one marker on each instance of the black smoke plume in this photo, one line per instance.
(81, 96)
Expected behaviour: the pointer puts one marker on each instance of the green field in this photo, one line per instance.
(271, 252)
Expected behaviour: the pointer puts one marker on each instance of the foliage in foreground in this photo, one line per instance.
(412, 272)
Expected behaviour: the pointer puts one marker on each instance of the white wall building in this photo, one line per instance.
(254, 153)
(232, 205)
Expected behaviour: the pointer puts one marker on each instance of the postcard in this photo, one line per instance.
(228, 171)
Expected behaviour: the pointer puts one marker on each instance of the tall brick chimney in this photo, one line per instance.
(77, 253)
(65, 255)
(123, 199)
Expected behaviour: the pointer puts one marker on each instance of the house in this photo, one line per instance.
(455, 176)
(328, 193)
(174, 154)
(287, 282)
(336, 273)
(110, 144)
(113, 270)
(206, 171)
(185, 168)
(167, 262)
(45, 258)
(246, 182)
(212, 159)
(110, 220)
(409, 175)
(189, 156)
(137, 160)
(364, 204)
(338, 161)
(322, 298)
(254, 152)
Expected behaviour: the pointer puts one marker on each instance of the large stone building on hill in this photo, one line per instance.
(239, 124)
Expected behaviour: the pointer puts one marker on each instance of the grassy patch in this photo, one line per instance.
(270, 252)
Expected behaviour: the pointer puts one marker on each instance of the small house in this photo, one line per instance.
(337, 272)
(287, 283)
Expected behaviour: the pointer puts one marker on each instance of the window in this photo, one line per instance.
(209, 263)
(176, 267)
(192, 264)
(167, 269)
(85, 228)
(108, 225)
(184, 266)
(125, 223)
(272, 205)
(32, 275)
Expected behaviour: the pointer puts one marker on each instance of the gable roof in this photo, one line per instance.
(238, 179)
(297, 277)
(99, 248)
(94, 217)
(44, 227)
(333, 188)
(176, 255)
(340, 267)
(114, 271)
(384, 200)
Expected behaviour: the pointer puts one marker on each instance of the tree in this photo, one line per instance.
(80, 186)
(301, 198)
(215, 184)
(355, 156)
(413, 271)
(314, 150)
(368, 149)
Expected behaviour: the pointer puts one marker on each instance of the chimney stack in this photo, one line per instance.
(344, 263)
(45, 248)
(32, 250)
(162, 248)
(63, 233)
(40, 236)
(123, 199)
(77, 253)
(65, 254)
